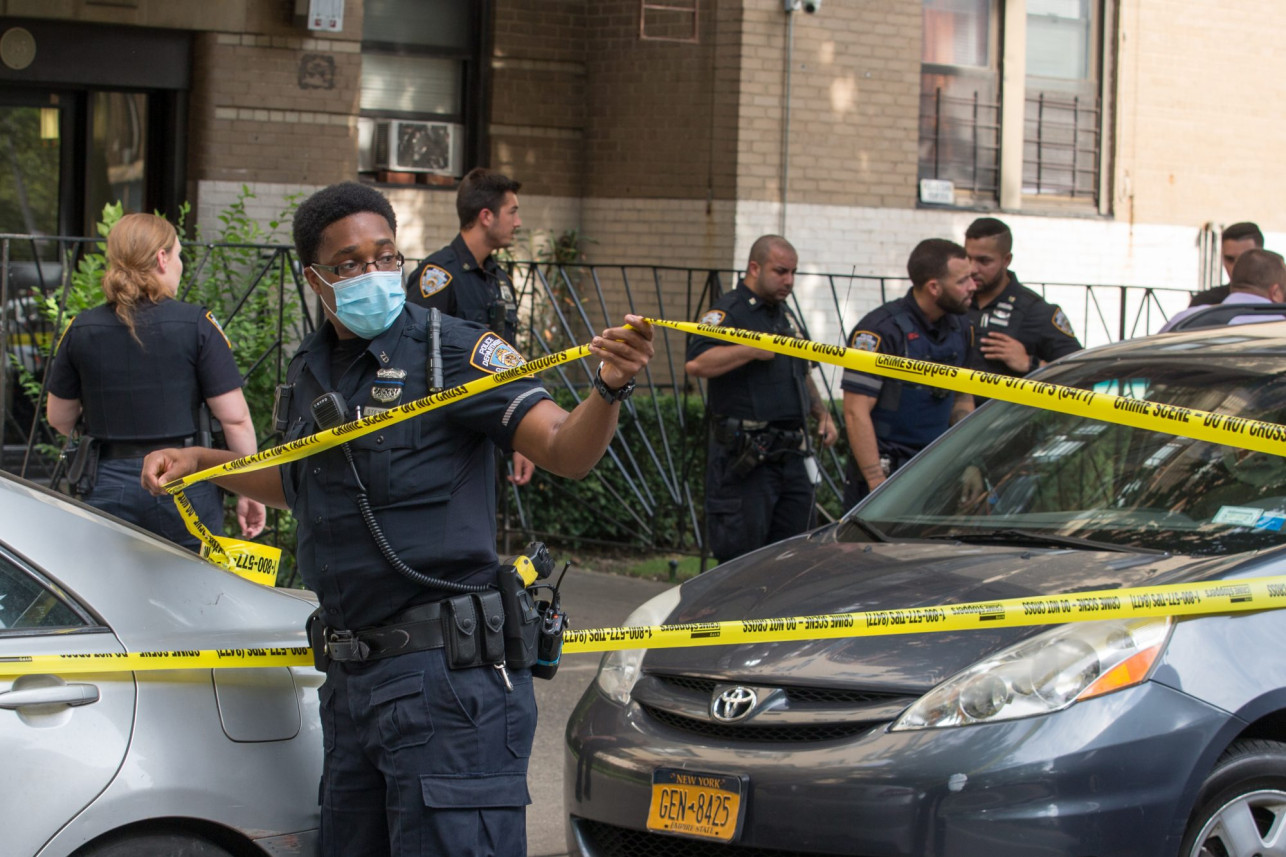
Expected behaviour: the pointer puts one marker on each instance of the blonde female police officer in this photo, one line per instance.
(136, 369)
(421, 758)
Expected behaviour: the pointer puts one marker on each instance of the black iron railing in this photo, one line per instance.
(647, 493)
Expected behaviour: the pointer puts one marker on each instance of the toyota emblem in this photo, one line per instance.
(733, 704)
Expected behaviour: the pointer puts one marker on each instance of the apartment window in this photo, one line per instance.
(960, 97)
(421, 102)
(964, 53)
(1062, 116)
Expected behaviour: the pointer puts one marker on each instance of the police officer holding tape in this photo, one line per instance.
(758, 487)
(427, 730)
(889, 421)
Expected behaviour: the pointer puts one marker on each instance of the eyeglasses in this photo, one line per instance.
(353, 268)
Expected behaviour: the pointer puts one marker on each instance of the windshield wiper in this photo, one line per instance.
(870, 529)
(1037, 539)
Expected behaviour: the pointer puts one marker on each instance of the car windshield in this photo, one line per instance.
(1023, 475)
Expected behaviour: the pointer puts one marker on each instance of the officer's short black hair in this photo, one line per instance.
(1258, 271)
(482, 189)
(929, 260)
(331, 204)
(990, 227)
(1242, 231)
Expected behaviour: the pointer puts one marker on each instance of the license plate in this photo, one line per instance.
(691, 803)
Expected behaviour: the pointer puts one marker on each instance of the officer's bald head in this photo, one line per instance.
(331, 204)
(765, 245)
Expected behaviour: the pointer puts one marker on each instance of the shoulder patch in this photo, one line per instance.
(210, 317)
(864, 340)
(433, 279)
(1060, 321)
(714, 316)
(492, 354)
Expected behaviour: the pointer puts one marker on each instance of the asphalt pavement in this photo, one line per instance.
(592, 600)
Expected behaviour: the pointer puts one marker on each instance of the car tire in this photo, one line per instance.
(154, 845)
(1241, 808)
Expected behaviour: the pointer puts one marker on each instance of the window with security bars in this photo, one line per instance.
(959, 97)
(1063, 120)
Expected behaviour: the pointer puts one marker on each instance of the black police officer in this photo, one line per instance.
(1016, 330)
(464, 279)
(136, 370)
(421, 758)
(758, 488)
(889, 421)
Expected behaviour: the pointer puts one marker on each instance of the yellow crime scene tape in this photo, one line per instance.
(1178, 599)
(248, 558)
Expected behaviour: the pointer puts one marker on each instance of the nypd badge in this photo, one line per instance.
(1060, 321)
(864, 340)
(433, 280)
(388, 386)
(492, 354)
(210, 317)
(714, 316)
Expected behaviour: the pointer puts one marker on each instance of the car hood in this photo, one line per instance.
(816, 573)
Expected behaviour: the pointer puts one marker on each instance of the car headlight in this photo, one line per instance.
(1043, 674)
(619, 670)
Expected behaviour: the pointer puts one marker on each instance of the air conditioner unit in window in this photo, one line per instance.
(418, 147)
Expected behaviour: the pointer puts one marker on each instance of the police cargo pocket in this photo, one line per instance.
(402, 712)
(725, 525)
(326, 700)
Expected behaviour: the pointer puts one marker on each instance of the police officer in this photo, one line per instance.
(136, 371)
(423, 753)
(758, 488)
(889, 421)
(1016, 330)
(464, 279)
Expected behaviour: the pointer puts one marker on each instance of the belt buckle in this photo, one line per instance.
(344, 646)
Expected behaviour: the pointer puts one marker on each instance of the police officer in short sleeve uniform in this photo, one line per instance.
(890, 419)
(758, 488)
(142, 397)
(452, 280)
(426, 742)
(456, 739)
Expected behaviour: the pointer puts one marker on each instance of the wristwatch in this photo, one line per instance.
(609, 395)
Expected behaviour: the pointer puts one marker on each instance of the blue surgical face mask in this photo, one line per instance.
(369, 304)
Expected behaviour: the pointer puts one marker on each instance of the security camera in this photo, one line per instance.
(811, 6)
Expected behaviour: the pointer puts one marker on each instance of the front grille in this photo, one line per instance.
(844, 713)
(705, 687)
(605, 840)
(777, 733)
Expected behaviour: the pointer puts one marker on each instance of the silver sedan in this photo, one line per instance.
(208, 762)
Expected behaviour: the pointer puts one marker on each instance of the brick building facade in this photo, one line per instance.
(677, 135)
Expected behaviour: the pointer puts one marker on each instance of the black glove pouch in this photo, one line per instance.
(473, 628)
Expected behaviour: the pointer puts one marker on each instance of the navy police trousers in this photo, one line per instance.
(424, 760)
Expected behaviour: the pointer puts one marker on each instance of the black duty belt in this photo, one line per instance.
(112, 449)
(413, 630)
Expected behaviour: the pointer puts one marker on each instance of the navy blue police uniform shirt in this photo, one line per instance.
(900, 328)
(149, 392)
(430, 479)
(767, 390)
(453, 281)
(1040, 326)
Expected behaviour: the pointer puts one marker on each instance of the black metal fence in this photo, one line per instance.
(647, 492)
